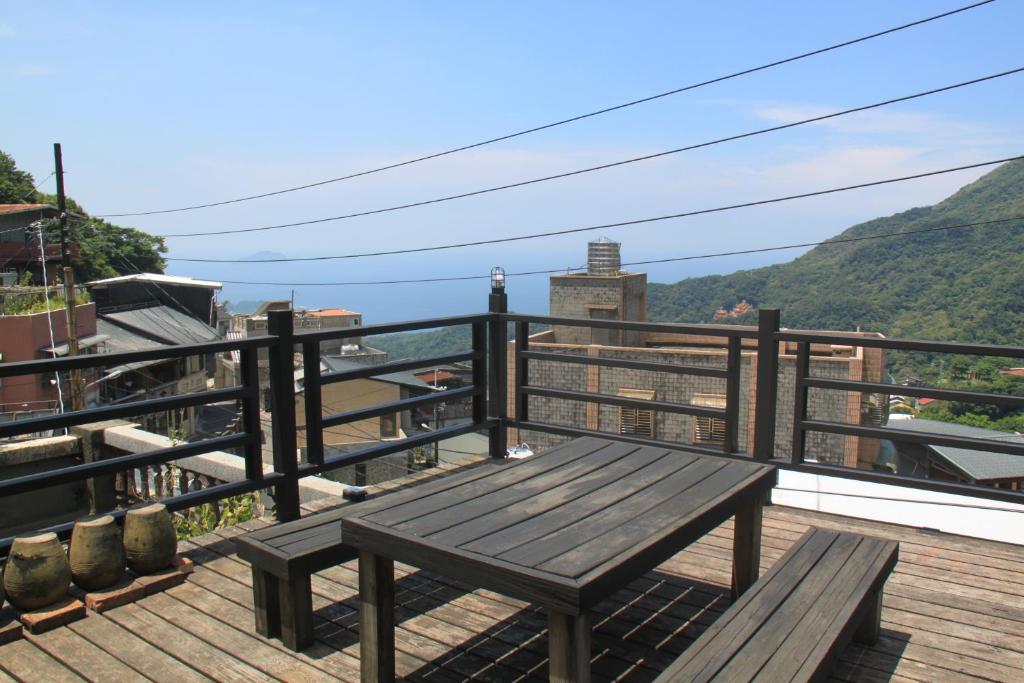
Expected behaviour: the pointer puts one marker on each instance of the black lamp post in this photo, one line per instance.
(497, 368)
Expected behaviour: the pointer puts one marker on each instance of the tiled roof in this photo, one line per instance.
(21, 208)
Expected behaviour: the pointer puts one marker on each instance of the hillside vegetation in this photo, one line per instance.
(959, 284)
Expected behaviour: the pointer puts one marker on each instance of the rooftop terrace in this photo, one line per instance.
(953, 611)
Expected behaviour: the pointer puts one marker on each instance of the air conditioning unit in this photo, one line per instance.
(8, 278)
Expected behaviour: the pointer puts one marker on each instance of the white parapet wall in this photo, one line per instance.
(953, 514)
(216, 464)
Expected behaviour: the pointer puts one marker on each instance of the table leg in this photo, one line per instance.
(568, 647)
(376, 618)
(746, 546)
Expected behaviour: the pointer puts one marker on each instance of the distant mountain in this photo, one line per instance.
(963, 284)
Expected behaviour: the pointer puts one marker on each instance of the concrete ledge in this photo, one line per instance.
(38, 450)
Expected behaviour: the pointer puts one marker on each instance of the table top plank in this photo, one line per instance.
(521, 545)
(398, 507)
(643, 511)
(509, 507)
(694, 499)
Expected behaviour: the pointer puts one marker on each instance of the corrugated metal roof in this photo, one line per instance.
(977, 464)
(163, 324)
(158, 278)
(121, 340)
(337, 364)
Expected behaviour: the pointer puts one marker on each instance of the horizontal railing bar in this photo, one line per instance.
(48, 365)
(741, 331)
(388, 447)
(638, 403)
(626, 363)
(222, 491)
(174, 504)
(902, 481)
(388, 328)
(397, 366)
(112, 412)
(73, 473)
(397, 406)
(903, 344)
(923, 392)
(628, 438)
(895, 434)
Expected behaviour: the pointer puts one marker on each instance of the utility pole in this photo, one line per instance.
(74, 376)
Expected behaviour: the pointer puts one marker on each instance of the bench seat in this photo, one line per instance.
(795, 620)
(283, 557)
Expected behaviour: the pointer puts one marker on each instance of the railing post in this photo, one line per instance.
(498, 373)
(282, 408)
(313, 398)
(480, 372)
(522, 372)
(803, 371)
(732, 396)
(767, 383)
(251, 424)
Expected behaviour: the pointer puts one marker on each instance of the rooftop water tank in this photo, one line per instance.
(603, 257)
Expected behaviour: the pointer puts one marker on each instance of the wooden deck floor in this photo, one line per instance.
(954, 610)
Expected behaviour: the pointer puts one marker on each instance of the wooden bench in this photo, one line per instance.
(794, 621)
(283, 557)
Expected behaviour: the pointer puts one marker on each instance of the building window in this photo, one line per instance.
(708, 431)
(388, 426)
(636, 421)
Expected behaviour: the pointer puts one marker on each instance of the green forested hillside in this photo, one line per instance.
(960, 284)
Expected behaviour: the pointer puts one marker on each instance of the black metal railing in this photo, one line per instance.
(489, 394)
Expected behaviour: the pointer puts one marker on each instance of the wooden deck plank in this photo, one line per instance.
(88, 660)
(181, 644)
(26, 662)
(119, 642)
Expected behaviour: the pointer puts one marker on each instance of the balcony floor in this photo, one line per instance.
(953, 610)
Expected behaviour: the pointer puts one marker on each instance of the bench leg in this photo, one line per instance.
(746, 546)
(871, 625)
(376, 618)
(265, 603)
(568, 647)
(296, 605)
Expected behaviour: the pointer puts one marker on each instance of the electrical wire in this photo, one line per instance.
(49, 316)
(606, 226)
(601, 167)
(563, 122)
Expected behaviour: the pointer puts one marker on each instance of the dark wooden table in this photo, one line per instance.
(563, 530)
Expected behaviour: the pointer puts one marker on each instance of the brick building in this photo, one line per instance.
(595, 292)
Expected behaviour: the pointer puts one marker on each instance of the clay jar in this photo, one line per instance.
(37, 572)
(97, 554)
(149, 540)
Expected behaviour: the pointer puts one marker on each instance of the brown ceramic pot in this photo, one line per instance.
(37, 572)
(149, 540)
(96, 555)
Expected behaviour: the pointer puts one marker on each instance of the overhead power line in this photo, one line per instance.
(647, 157)
(760, 250)
(562, 122)
(605, 226)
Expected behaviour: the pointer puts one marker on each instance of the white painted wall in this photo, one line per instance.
(964, 515)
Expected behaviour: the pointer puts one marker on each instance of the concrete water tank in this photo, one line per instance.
(603, 257)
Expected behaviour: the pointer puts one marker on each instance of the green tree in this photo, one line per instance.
(16, 187)
(105, 249)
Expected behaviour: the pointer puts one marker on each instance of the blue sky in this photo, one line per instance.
(157, 105)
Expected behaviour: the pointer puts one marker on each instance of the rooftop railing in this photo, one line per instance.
(488, 394)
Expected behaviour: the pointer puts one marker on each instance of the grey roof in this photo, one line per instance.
(83, 343)
(406, 379)
(120, 339)
(163, 324)
(976, 464)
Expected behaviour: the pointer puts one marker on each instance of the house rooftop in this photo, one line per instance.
(157, 278)
(24, 208)
(406, 379)
(163, 324)
(978, 465)
(321, 312)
